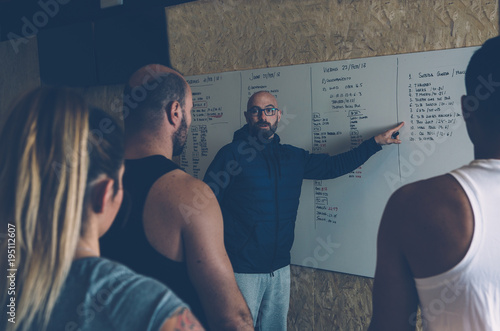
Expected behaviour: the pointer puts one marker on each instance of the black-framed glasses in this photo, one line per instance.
(255, 111)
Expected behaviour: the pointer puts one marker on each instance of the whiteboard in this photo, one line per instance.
(353, 100)
(215, 116)
(436, 140)
(331, 107)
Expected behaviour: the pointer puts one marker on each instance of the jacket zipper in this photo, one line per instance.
(273, 158)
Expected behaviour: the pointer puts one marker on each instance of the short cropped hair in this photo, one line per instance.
(144, 105)
(482, 81)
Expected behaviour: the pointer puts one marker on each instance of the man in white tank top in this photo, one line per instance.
(439, 239)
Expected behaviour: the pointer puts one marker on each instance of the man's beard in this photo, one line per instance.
(180, 137)
(255, 130)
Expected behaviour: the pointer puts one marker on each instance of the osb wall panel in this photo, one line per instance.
(227, 35)
(19, 72)
(323, 300)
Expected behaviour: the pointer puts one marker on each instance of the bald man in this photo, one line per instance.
(154, 234)
(257, 181)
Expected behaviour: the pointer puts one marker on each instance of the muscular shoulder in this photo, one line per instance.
(174, 185)
(177, 206)
(432, 222)
(183, 197)
(427, 200)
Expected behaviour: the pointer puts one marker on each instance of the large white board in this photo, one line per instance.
(330, 108)
(348, 108)
(215, 116)
(430, 88)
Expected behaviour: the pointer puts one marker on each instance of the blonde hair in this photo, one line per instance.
(44, 163)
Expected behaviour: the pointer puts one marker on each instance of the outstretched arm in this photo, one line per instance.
(324, 166)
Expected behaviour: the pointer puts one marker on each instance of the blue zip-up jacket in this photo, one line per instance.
(258, 187)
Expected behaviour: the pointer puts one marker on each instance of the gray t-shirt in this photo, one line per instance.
(103, 295)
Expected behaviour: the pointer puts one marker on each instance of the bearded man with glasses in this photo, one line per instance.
(257, 181)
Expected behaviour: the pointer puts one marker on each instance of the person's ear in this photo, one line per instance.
(279, 115)
(174, 113)
(247, 117)
(469, 106)
(102, 193)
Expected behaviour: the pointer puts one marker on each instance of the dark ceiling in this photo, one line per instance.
(20, 18)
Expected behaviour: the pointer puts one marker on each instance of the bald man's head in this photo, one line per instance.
(148, 91)
(149, 73)
(262, 114)
(261, 94)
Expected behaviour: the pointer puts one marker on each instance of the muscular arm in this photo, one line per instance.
(210, 268)
(395, 297)
(193, 208)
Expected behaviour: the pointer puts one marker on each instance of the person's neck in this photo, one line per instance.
(138, 147)
(486, 154)
(88, 243)
(87, 248)
(487, 147)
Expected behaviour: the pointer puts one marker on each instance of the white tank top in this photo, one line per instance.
(467, 297)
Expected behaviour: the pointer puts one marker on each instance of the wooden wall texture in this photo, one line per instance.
(210, 36)
(225, 35)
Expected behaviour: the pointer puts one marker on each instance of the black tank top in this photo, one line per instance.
(126, 241)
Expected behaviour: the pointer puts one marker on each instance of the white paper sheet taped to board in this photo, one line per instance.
(331, 107)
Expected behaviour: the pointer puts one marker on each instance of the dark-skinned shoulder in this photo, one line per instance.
(432, 222)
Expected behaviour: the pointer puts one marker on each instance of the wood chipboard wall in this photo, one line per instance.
(214, 36)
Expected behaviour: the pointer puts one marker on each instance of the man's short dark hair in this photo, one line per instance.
(144, 105)
(482, 81)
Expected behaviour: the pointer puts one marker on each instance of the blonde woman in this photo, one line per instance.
(60, 172)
